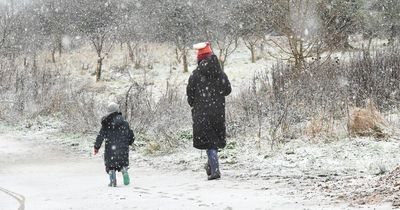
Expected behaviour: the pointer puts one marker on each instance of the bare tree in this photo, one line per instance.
(226, 40)
(338, 20)
(178, 26)
(250, 19)
(390, 10)
(370, 23)
(53, 23)
(217, 28)
(5, 26)
(97, 20)
(309, 28)
(131, 32)
(10, 25)
(294, 20)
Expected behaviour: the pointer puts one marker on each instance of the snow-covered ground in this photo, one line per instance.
(41, 173)
(50, 178)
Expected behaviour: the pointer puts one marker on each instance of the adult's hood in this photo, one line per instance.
(210, 66)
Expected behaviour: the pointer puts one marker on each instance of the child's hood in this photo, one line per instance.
(113, 119)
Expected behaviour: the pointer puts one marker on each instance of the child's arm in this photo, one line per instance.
(99, 140)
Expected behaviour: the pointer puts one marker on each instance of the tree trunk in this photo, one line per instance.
(60, 47)
(34, 65)
(392, 35)
(98, 69)
(253, 53)
(221, 59)
(298, 63)
(127, 102)
(185, 63)
(222, 63)
(178, 58)
(53, 57)
(367, 51)
(131, 53)
(298, 60)
(299, 55)
(262, 47)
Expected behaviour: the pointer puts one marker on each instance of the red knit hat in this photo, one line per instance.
(203, 50)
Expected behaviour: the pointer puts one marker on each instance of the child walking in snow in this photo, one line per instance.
(117, 135)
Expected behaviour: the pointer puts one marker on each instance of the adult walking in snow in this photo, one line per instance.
(206, 90)
(117, 135)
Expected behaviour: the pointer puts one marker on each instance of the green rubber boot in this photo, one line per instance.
(126, 176)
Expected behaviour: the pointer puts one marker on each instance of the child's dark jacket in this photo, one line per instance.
(117, 135)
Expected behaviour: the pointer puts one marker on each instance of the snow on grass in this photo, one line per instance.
(50, 177)
(117, 67)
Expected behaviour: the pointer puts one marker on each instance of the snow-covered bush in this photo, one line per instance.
(328, 90)
(316, 101)
(368, 122)
(375, 76)
(164, 122)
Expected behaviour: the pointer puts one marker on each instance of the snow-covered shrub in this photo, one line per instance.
(375, 76)
(82, 113)
(368, 122)
(317, 100)
(255, 111)
(137, 106)
(152, 147)
(162, 121)
(316, 127)
(231, 145)
(185, 135)
(123, 68)
(330, 89)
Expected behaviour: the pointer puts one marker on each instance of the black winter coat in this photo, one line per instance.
(206, 90)
(117, 135)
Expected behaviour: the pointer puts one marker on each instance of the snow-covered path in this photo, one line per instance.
(49, 177)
